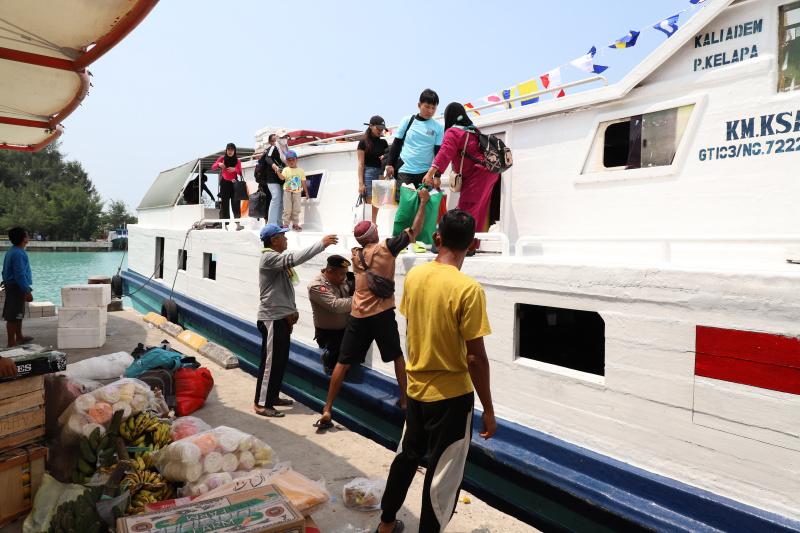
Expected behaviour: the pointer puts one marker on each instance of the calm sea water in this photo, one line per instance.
(53, 270)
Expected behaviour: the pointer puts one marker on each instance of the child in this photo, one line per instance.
(17, 280)
(295, 178)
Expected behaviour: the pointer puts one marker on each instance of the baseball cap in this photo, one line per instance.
(281, 133)
(378, 121)
(291, 153)
(270, 230)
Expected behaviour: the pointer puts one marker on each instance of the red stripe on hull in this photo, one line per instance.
(749, 346)
(765, 376)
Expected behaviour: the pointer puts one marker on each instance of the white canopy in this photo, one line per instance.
(45, 47)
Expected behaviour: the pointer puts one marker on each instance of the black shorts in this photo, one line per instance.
(360, 332)
(14, 308)
(405, 177)
(329, 339)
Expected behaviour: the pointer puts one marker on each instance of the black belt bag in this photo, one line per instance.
(380, 286)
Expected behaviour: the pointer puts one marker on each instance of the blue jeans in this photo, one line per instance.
(370, 173)
(275, 214)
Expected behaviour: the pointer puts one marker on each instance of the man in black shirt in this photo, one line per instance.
(192, 191)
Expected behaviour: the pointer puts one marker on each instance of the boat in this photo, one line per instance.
(119, 239)
(642, 280)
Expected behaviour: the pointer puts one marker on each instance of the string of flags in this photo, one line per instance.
(668, 26)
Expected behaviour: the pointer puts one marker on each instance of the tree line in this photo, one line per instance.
(50, 196)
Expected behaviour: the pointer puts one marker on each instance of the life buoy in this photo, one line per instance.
(116, 286)
(169, 309)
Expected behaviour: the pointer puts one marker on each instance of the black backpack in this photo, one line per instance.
(259, 173)
(495, 152)
(257, 204)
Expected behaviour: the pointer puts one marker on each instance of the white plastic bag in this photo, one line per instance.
(96, 409)
(364, 494)
(221, 449)
(51, 494)
(186, 426)
(359, 211)
(383, 194)
(108, 366)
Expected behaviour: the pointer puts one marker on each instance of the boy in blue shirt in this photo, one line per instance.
(416, 143)
(17, 280)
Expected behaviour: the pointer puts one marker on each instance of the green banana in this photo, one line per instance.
(85, 467)
(93, 437)
(103, 443)
(87, 452)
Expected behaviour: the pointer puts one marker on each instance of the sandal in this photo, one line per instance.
(271, 413)
(398, 527)
(323, 425)
(283, 402)
(26, 340)
(297, 228)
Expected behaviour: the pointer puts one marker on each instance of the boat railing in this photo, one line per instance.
(665, 242)
(505, 244)
(502, 103)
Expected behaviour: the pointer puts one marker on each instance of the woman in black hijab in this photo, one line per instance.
(231, 167)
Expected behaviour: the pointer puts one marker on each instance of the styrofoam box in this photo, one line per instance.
(81, 337)
(82, 317)
(86, 295)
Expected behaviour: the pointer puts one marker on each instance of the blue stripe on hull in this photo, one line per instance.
(535, 477)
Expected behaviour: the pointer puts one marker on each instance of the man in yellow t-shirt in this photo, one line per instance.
(446, 313)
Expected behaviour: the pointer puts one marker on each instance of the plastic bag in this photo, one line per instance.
(221, 449)
(307, 495)
(407, 211)
(51, 494)
(192, 388)
(59, 394)
(364, 494)
(383, 194)
(108, 366)
(96, 409)
(186, 426)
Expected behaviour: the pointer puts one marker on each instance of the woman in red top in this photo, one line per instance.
(231, 167)
(477, 184)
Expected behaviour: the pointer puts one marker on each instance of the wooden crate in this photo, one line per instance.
(21, 472)
(21, 412)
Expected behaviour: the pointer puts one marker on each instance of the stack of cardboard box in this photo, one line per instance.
(33, 309)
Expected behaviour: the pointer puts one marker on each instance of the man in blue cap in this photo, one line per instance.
(277, 313)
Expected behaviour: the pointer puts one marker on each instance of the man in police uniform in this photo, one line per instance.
(331, 297)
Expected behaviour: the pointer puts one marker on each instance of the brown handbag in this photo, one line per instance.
(457, 180)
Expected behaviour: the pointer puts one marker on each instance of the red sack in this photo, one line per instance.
(192, 388)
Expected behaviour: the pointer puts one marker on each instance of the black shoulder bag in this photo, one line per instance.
(380, 286)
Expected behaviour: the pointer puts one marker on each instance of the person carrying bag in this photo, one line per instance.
(406, 211)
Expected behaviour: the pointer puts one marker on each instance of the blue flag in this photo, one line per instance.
(629, 41)
(586, 63)
(669, 25)
(696, 1)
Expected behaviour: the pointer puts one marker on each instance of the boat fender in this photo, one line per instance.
(116, 286)
(169, 309)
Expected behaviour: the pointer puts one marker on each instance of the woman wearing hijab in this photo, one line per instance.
(370, 155)
(477, 182)
(231, 167)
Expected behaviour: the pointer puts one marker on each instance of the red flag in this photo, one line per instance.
(469, 107)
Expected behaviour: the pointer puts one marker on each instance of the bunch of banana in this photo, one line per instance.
(144, 429)
(146, 487)
(78, 515)
(93, 449)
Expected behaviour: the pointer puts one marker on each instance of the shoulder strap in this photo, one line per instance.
(410, 122)
(361, 256)
(463, 154)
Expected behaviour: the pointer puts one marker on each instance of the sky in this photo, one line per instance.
(197, 74)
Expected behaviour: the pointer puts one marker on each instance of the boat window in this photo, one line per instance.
(313, 182)
(564, 337)
(789, 59)
(159, 266)
(641, 141)
(181, 259)
(210, 266)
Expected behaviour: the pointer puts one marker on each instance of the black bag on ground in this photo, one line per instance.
(165, 381)
(380, 286)
(239, 191)
(257, 205)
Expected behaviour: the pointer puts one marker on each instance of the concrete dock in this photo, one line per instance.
(337, 455)
(62, 246)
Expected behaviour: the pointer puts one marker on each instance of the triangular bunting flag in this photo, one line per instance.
(669, 25)
(629, 41)
(586, 63)
(553, 78)
(469, 107)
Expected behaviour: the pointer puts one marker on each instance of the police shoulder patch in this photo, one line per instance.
(322, 288)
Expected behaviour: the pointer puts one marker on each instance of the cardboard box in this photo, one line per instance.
(262, 510)
(34, 364)
(21, 472)
(86, 295)
(81, 337)
(82, 317)
(21, 412)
